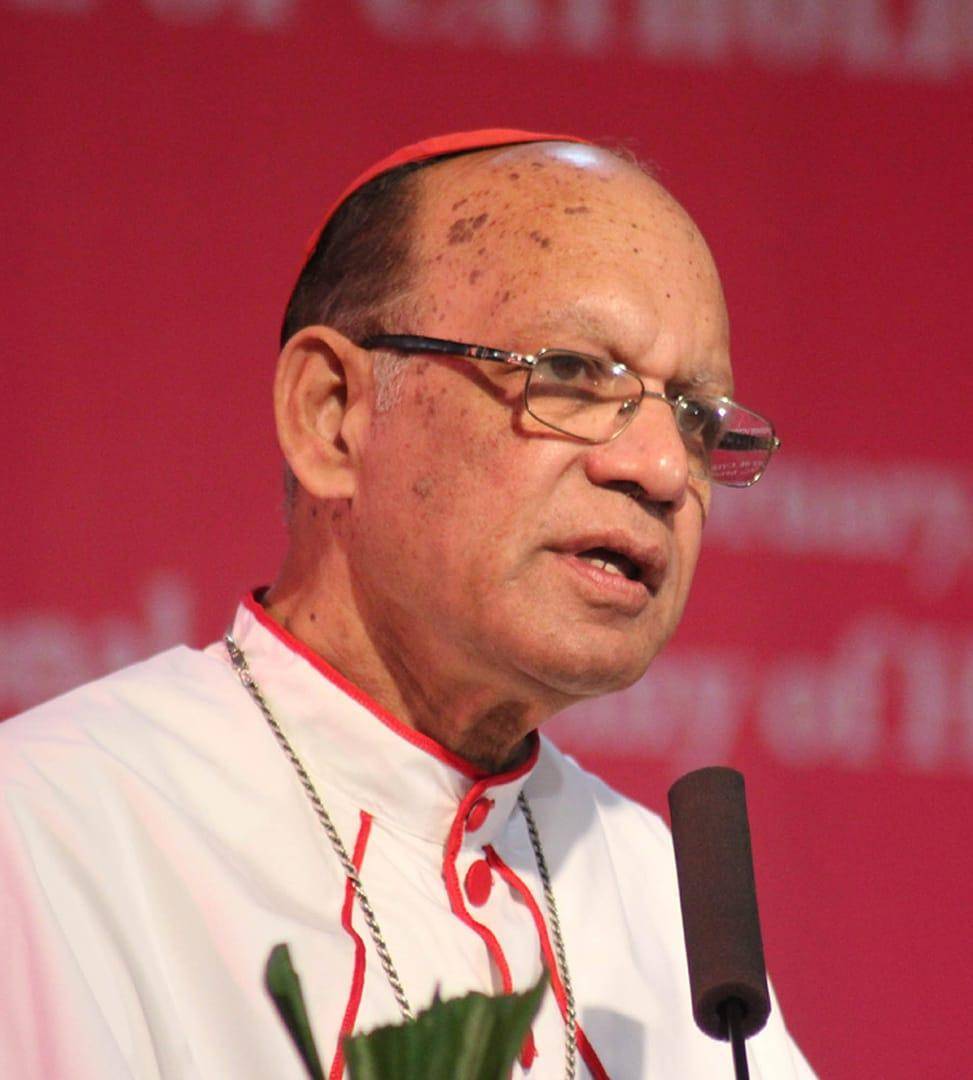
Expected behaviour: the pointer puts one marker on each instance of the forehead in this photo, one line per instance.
(562, 244)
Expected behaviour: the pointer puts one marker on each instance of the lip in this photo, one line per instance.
(649, 559)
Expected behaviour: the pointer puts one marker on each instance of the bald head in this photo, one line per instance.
(498, 230)
(365, 259)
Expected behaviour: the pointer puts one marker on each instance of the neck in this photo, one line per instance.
(437, 694)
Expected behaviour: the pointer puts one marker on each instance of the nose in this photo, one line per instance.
(649, 453)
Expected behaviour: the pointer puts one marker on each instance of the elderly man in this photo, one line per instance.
(503, 399)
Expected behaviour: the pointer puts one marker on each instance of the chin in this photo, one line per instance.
(584, 658)
(585, 674)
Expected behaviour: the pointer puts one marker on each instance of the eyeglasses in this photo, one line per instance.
(593, 399)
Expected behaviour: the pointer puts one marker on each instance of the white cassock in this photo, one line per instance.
(156, 843)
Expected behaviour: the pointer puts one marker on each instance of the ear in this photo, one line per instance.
(322, 400)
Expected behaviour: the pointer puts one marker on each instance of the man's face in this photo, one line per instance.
(476, 532)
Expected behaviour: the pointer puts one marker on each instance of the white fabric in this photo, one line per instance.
(155, 844)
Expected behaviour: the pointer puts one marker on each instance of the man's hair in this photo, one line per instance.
(361, 262)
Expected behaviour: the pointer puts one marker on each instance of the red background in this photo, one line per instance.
(164, 163)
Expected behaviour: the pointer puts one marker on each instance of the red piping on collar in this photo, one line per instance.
(455, 892)
(587, 1051)
(416, 738)
(358, 973)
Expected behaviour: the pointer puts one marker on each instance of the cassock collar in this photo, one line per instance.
(350, 744)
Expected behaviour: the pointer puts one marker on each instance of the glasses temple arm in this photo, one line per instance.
(415, 343)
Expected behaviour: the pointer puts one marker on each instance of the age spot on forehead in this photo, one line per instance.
(500, 298)
(540, 239)
(463, 230)
(475, 276)
(577, 209)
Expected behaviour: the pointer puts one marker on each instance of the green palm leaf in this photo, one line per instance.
(476, 1037)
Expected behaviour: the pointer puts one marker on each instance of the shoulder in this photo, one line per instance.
(131, 720)
(180, 677)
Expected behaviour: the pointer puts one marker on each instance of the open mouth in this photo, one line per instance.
(613, 562)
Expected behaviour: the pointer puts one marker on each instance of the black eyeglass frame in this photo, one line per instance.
(414, 343)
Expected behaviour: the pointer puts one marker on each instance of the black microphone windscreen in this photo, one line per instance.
(718, 897)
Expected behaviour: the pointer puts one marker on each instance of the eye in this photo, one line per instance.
(693, 415)
(701, 419)
(570, 367)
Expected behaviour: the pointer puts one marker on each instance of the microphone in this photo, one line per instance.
(718, 897)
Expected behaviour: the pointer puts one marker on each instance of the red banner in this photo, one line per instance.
(165, 162)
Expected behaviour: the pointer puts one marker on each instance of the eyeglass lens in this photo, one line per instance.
(737, 443)
(581, 395)
(592, 399)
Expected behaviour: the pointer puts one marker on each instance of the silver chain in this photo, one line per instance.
(560, 954)
(246, 677)
(239, 661)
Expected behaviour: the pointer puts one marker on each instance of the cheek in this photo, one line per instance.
(461, 444)
(438, 492)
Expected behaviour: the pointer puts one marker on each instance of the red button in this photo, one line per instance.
(478, 883)
(478, 813)
(528, 1051)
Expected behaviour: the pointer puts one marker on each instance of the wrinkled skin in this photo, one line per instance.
(448, 584)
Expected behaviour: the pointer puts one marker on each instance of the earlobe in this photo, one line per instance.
(320, 389)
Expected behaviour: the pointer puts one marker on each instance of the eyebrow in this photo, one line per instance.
(588, 323)
(705, 379)
(593, 326)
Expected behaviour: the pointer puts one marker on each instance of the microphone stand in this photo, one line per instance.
(732, 1012)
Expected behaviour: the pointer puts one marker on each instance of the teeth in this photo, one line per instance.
(602, 564)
